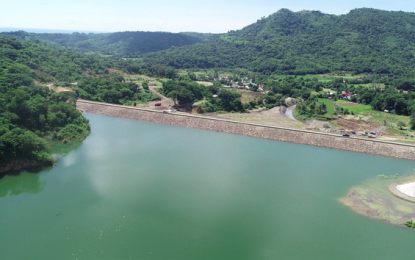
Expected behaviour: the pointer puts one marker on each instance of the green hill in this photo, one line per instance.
(308, 42)
(118, 45)
(31, 113)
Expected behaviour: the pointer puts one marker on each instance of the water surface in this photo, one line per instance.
(137, 190)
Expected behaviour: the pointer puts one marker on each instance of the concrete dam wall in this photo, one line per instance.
(355, 144)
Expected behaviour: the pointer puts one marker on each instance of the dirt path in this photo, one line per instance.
(58, 88)
(166, 103)
(289, 112)
(334, 106)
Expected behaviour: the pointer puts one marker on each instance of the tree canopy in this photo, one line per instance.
(308, 42)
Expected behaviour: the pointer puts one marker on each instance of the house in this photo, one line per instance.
(346, 95)
(246, 87)
(260, 89)
(215, 96)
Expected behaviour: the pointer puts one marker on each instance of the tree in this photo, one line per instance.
(173, 95)
(111, 96)
(401, 125)
(413, 121)
(230, 100)
(145, 85)
(185, 96)
(192, 76)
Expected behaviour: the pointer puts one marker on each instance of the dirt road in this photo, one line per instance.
(166, 103)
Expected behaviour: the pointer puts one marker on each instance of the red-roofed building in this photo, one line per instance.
(346, 95)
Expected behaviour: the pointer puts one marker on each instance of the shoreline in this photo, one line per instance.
(354, 144)
(16, 165)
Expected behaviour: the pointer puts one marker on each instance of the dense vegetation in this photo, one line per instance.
(308, 42)
(379, 45)
(30, 113)
(113, 90)
(117, 45)
(186, 91)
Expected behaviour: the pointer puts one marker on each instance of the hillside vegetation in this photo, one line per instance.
(32, 114)
(308, 42)
(117, 45)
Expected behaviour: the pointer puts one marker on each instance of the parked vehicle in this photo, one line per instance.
(346, 135)
(157, 104)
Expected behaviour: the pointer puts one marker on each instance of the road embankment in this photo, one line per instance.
(376, 147)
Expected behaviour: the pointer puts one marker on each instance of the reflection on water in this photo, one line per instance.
(60, 148)
(136, 190)
(23, 183)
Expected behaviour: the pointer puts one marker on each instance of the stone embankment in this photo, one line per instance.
(355, 144)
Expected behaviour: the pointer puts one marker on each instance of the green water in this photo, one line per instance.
(136, 190)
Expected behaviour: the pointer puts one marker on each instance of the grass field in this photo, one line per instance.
(329, 90)
(342, 102)
(205, 83)
(359, 109)
(329, 105)
(355, 109)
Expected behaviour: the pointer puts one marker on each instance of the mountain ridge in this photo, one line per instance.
(308, 42)
(127, 44)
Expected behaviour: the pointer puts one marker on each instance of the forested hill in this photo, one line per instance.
(308, 42)
(31, 113)
(118, 45)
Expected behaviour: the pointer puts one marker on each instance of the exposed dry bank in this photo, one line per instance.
(404, 151)
(373, 199)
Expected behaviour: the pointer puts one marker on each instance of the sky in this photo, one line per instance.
(207, 16)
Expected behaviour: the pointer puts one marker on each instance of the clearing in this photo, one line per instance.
(329, 105)
(248, 95)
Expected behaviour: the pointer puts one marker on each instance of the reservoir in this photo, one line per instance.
(138, 190)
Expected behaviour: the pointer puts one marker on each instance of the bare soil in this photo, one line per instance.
(166, 103)
(349, 105)
(58, 88)
(248, 96)
(358, 125)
